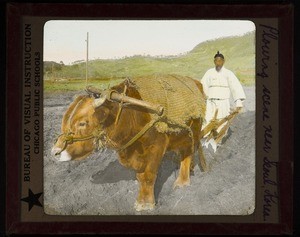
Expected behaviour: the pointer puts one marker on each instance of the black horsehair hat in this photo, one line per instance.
(219, 55)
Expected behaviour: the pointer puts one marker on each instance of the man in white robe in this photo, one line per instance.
(219, 84)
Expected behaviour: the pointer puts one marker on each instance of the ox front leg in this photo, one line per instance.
(150, 155)
(146, 199)
(184, 173)
(147, 177)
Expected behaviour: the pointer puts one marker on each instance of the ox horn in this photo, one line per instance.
(100, 96)
(99, 101)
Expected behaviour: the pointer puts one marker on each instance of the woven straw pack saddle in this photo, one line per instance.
(178, 95)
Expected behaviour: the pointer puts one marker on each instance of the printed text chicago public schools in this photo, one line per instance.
(270, 196)
(37, 96)
(31, 102)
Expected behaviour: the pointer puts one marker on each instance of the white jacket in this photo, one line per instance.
(219, 85)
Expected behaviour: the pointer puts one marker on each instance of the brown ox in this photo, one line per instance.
(87, 115)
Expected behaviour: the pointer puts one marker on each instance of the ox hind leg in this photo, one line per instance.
(186, 164)
(147, 178)
(183, 178)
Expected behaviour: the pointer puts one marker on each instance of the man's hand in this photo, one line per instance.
(238, 103)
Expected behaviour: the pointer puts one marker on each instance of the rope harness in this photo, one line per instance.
(70, 139)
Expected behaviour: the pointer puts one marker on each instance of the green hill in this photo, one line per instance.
(239, 52)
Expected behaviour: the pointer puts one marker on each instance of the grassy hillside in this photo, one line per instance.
(239, 54)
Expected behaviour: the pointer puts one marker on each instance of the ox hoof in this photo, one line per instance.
(144, 206)
(179, 183)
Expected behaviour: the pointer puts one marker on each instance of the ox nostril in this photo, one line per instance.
(60, 154)
(55, 151)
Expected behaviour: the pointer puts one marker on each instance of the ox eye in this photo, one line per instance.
(82, 124)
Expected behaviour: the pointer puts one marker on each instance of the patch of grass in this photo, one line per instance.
(246, 76)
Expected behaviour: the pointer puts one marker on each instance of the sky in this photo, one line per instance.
(109, 39)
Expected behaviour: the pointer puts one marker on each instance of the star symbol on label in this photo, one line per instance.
(32, 199)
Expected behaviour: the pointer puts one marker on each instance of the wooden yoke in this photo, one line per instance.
(121, 98)
(120, 106)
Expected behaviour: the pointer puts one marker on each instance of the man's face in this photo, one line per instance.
(219, 62)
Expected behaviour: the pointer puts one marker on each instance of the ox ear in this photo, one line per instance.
(99, 101)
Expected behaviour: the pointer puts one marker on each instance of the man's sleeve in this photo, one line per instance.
(204, 82)
(236, 88)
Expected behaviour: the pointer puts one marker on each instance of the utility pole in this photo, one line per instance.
(87, 57)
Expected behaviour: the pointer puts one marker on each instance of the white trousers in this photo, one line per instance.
(223, 107)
